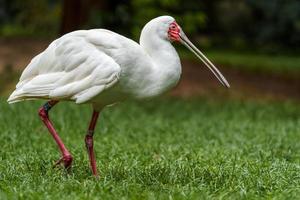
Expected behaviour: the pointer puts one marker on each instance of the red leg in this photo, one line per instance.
(43, 113)
(89, 142)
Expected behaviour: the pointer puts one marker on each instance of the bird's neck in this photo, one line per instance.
(160, 50)
(166, 62)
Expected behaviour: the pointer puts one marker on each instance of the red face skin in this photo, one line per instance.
(174, 32)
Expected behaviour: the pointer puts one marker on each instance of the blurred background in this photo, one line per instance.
(256, 44)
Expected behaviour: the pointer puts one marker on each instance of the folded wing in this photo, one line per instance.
(71, 68)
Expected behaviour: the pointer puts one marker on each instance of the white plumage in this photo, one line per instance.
(81, 65)
(101, 67)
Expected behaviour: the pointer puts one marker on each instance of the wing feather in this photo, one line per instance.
(70, 68)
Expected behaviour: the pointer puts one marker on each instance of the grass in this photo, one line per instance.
(252, 62)
(163, 149)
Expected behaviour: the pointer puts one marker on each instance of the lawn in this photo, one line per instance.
(163, 149)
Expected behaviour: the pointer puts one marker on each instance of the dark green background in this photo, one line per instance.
(269, 25)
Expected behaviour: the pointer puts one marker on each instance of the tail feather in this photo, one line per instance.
(18, 96)
(26, 93)
(14, 97)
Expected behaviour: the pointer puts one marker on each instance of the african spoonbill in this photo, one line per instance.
(100, 67)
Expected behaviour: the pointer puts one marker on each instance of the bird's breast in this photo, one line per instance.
(146, 79)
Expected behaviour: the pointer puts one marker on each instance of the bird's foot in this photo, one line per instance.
(66, 160)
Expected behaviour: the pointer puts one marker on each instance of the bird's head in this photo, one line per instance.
(167, 28)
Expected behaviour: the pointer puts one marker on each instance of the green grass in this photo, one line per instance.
(252, 62)
(163, 149)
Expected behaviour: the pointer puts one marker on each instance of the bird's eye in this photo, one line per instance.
(173, 26)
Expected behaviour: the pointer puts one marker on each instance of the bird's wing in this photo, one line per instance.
(70, 68)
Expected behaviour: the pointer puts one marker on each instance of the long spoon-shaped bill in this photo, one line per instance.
(186, 42)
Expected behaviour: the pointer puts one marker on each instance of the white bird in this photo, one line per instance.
(100, 67)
